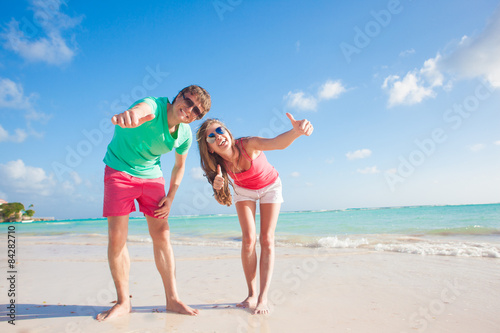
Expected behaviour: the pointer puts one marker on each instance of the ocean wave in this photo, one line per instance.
(443, 249)
(407, 244)
(468, 230)
(335, 242)
(139, 239)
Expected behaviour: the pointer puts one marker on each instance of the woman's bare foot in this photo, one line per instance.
(179, 307)
(261, 308)
(249, 302)
(119, 309)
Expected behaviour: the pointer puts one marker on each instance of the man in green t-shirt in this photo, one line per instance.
(151, 127)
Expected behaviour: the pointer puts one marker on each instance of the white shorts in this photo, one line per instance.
(269, 194)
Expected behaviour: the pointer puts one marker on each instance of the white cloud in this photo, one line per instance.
(469, 58)
(4, 135)
(36, 185)
(331, 89)
(476, 147)
(369, 170)
(358, 154)
(477, 56)
(300, 102)
(416, 85)
(297, 46)
(77, 180)
(407, 52)
(407, 91)
(295, 174)
(73, 197)
(197, 173)
(53, 51)
(23, 179)
(12, 95)
(431, 72)
(19, 136)
(497, 143)
(44, 40)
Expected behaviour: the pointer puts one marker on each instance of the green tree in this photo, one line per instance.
(29, 212)
(12, 208)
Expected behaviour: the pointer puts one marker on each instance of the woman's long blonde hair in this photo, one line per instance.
(209, 162)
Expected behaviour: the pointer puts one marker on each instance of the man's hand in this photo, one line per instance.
(164, 204)
(134, 117)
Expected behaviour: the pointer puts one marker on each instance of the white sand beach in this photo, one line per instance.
(61, 286)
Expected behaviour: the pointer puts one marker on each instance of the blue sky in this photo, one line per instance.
(403, 95)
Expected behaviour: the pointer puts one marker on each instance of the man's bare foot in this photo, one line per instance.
(119, 309)
(179, 307)
(249, 302)
(261, 308)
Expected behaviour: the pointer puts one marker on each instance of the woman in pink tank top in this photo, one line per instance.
(242, 164)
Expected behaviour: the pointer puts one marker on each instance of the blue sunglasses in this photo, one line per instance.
(211, 137)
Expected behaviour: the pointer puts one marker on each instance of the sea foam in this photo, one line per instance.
(444, 249)
(335, 242)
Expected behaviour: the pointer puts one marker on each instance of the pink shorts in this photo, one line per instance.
(121, 189)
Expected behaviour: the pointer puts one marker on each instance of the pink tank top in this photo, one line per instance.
(260, 174)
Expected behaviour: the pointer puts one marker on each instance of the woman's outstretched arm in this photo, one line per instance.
(282, 141)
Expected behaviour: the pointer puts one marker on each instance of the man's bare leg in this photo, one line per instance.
(165, 263)
(119, 264)
(246, 216)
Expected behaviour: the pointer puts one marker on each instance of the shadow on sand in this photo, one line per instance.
(40, 311)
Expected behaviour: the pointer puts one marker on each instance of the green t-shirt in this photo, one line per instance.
(137, 151)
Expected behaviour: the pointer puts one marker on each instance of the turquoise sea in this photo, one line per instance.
(463, 230)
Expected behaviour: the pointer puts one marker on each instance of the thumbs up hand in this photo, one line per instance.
(301, 127)
(134, 117)
(129, 119)
(218, 180)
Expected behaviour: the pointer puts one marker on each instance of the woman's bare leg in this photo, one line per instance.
(246, 216)
(268, 219)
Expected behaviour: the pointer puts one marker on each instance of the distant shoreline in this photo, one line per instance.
(284, 212)
(34, 219)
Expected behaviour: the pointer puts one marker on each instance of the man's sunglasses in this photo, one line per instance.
(211, 137)
(189, 103)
